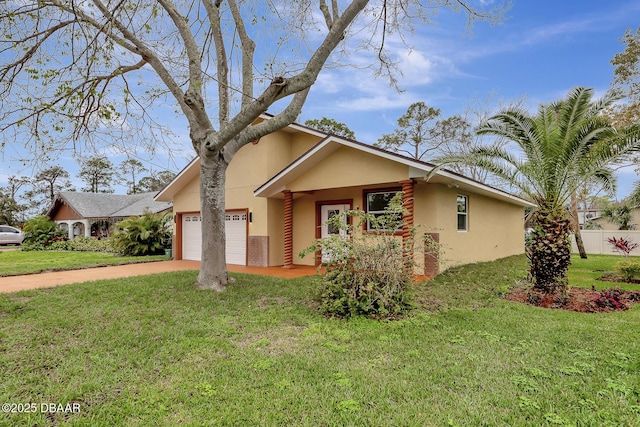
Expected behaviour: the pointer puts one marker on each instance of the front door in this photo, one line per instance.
(326, 229)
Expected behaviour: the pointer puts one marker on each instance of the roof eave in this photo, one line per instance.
(183, 178)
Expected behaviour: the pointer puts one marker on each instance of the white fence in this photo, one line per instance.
(595, 241)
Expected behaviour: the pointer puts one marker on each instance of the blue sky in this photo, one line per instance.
(542, 50)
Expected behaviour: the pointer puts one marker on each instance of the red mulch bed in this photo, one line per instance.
(579, 299)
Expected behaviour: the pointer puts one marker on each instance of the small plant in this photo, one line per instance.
(610, 299)
(629, 270)
(533, 297)
(41, 232)
(622, 245)
(144, 235)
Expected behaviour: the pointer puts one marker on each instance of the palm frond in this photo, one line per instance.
(634, 198)
(562, 146)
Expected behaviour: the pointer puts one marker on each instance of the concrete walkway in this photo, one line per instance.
(45, 280)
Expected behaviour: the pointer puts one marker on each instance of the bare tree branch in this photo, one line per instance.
(248, 47)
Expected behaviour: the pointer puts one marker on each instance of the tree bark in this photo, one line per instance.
(575, 224)
(550, 251)
(213, 269)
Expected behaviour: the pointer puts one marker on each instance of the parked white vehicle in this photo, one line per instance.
(10, 235)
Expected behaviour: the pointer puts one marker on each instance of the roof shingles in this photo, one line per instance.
(101, 205)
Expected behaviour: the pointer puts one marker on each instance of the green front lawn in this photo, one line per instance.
(153, 350)
(585, 272)
(17, 262)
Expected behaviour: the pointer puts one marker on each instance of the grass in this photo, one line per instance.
(585, 272)
(13, 263)
(153, 350)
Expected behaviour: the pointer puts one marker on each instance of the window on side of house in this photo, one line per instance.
(463, 213)
(377, 201)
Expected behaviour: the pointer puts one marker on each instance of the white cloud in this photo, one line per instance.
(377, 102)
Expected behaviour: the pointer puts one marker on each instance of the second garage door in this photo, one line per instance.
(236, 234)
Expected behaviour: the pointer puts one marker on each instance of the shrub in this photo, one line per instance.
(629, 270)
(370, 273)
(610, 299)
(63, 245)
(622, 245)
(84, 244)
(40, 232)
(148, 234)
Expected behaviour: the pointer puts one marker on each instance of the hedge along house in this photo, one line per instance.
(281, 190)
(95, 214)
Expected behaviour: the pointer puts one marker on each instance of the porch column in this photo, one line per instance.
(407, 204)
(288, 229)
(87, 228)
(407, 220)
(70, 229)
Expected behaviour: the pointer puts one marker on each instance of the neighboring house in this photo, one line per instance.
(94, 214)
(281, 189)
(585, 215)
(608, 225)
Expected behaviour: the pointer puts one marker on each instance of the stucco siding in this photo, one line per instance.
(275, 231)
(426, 207)
(349, 167)
(301, 143)
(188, 199)
(495, 229)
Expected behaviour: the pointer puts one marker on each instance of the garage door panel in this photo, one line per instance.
(191, 237)
(236, 237)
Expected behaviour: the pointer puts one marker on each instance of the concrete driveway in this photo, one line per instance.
(45, 280)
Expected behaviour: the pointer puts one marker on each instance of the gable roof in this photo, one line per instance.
(185, 176)
(417, 169)
(101, 205)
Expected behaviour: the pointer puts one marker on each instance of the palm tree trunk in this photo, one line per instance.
(550, 251)
(576, 226)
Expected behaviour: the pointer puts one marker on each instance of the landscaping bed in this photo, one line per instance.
(596, 288)
(579, 299)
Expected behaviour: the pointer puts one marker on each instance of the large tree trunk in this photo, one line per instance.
(575, 224)
(550, 252)
(213, 270)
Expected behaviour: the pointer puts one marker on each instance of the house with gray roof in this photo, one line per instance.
(95, 214)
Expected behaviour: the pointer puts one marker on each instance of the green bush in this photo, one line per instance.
(63, 245)
(370, 273)
(629, 270)
(148, 234)
(85, 244)
(41, 232)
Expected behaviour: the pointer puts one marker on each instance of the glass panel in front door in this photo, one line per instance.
(327, 229)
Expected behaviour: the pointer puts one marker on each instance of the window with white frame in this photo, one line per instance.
(377, 202)
(463, 213)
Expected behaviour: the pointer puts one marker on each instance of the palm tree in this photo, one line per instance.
(620, 215)
(565, 144)
(634, 198)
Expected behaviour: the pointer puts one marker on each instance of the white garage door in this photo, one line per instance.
(236, 233)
